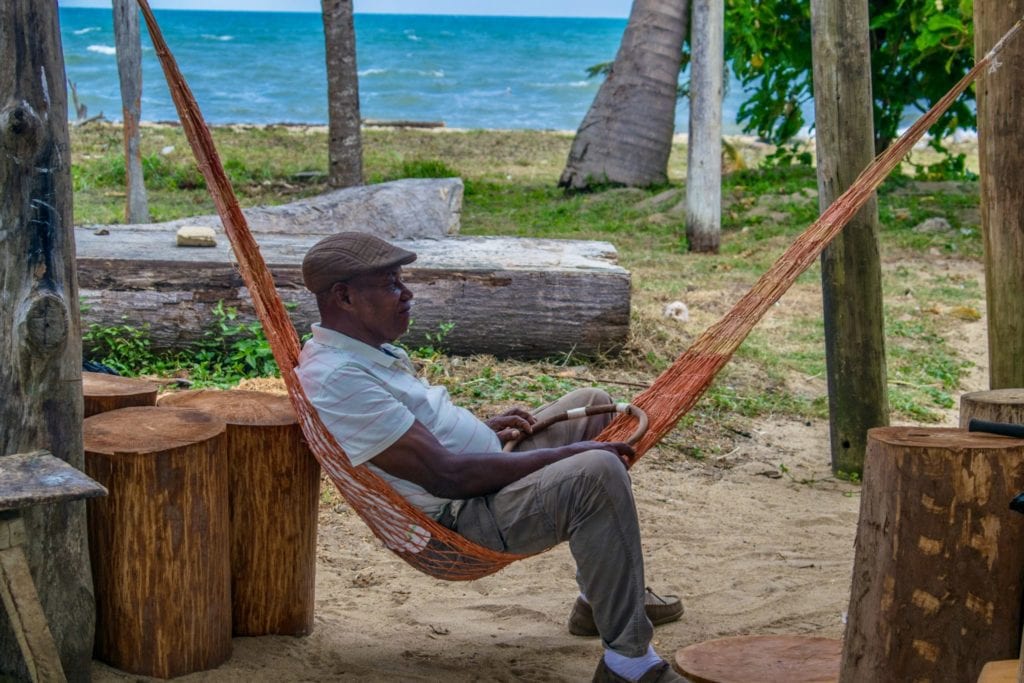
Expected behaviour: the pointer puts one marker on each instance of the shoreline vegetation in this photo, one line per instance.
(930, 239)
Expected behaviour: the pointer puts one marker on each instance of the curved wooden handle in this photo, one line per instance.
(575, 413)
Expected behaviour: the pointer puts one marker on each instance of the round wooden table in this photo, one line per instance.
(765, 659)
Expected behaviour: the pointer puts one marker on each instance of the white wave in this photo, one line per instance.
(88, 29)
(411, 35)
(102, 49)
(210, 36)
(372, 72)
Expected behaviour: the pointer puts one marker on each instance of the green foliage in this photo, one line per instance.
(229, 352)
(416, 168)
(919, 49)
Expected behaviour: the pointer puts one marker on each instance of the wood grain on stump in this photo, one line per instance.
(765, 659)
(275, 488)
(997, 405)
(937, 566)
(159, 540)
(103, 392)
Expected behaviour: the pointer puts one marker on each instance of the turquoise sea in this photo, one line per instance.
(260, 67)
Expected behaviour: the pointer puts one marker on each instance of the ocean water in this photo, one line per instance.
(260, 67)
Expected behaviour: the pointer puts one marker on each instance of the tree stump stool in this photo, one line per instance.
(765, 659)
(1003, 671)
(159, 540)
(936, 580)
(275, 492)
(998, 405)
(103, 393)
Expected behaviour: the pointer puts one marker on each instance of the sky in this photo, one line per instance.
(529, 8)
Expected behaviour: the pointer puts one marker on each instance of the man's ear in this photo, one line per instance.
(341, 292)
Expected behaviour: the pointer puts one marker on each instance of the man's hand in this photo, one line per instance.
(512, 425)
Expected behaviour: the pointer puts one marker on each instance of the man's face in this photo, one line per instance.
(380, 304)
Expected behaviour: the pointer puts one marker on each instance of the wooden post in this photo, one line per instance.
(103, 393)
(998, 405)
(1000, 138)
(851, 273)
(937, 563)
(275, 491)
(40, 340)
(704, 148)
(128, 41)
(159, 541)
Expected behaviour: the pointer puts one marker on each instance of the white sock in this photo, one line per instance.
(631, 667)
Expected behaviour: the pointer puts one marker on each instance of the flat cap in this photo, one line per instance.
(345, 255)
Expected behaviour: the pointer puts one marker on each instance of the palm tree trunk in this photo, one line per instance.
(704, 148)
(345, 147)
(626, 136)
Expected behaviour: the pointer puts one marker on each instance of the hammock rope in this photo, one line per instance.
(419, 540)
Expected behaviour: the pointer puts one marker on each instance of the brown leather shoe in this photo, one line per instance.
(662, 673)
(660, 610)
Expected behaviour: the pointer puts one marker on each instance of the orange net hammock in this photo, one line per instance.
(416, 538)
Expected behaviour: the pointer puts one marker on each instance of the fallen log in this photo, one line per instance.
(415, 208)
(511, 297)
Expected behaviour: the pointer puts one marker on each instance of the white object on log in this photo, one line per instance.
(195, 236)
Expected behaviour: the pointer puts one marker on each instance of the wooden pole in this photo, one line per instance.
(704, 148)
(103, 393)
(40, 340)
(128, 41)
(159, 540)
(851, 272)
(937, 562)
(275, 491)
(1000, 138)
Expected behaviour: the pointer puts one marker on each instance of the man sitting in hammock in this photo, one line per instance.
(558, 485)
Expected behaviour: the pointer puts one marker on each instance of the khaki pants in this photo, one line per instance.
(587, 500)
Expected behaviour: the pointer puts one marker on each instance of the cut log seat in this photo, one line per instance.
(511, 297)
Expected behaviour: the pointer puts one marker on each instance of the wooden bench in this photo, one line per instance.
(29, 479)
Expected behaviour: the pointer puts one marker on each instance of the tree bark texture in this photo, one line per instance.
(525, 298)
(851, 274)
(704, 149)
(626, 135)
(103, 393)
(1000, 95)
(274, 494)
(344, 147)
(159, 540)
(40, 349)
(128, 40)
(998, 405)
(937, 562)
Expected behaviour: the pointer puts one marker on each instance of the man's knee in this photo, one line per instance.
(588, 396)
(604, 466)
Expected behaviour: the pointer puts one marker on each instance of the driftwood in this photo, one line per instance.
(399, 210)
(508, 297)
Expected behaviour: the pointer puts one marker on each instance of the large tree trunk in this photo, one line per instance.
(524, 298)
(851, 277)
(626, 136)
(129, 70)
(345, 147)
(1001, 138)
(704, 150)
(40, 343)
(936, 585)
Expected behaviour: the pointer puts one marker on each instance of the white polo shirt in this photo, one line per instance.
(370, 397)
